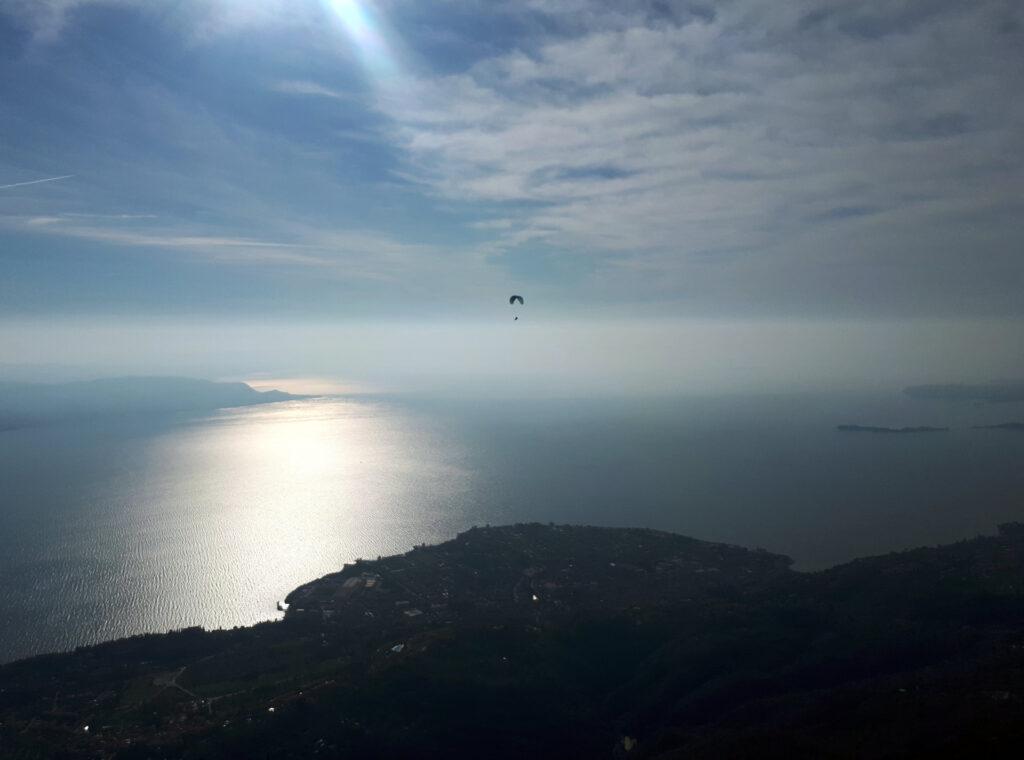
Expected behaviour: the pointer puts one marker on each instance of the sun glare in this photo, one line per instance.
(363, 27)
(306, 386)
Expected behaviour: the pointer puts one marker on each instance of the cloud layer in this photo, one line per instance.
(749, 131)
(741, 157)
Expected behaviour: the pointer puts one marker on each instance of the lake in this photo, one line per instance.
(111, 527)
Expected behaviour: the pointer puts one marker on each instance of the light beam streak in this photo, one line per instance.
(366, 30)
(36, 181)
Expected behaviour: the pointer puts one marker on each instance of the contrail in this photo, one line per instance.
(36, 181)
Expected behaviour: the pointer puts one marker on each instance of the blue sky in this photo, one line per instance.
(343, 159)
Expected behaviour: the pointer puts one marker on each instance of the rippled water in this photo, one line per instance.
(109, 528)
(143, 525)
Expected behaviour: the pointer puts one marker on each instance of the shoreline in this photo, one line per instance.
(361, 567)
(588, 635)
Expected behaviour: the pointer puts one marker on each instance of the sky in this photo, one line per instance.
(350, 164)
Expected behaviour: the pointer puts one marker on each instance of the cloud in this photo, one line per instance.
(737, 129)
(87, 227)
(207, 19)
(492, 224)
(347, 255)
(36, 181)
(46, 19)
(702, 157)
(299, 87)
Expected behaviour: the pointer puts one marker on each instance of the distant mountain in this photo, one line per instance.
(28, 403)
(991, 392)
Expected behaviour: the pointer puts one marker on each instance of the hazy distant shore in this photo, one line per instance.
(876, 429)
(25, 404)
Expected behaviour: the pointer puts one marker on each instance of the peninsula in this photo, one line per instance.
(23, 404)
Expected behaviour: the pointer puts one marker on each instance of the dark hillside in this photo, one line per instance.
(553, 641)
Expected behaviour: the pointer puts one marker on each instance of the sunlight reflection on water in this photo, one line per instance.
(211, 521)
(302, 487)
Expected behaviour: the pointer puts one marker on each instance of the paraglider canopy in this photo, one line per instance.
(513, 299)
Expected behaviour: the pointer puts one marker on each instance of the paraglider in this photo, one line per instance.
(512, 301)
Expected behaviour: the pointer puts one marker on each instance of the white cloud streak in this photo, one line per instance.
(301, 87)
(36, 181)
(353, 256)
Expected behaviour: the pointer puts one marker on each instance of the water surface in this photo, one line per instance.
(125, 525)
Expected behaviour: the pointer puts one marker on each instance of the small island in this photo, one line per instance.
(875, 429)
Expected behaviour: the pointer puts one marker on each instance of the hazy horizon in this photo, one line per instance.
(351, 190)
(529, 357)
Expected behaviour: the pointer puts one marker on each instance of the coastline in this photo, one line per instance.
(328, 588)
(600, 633)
